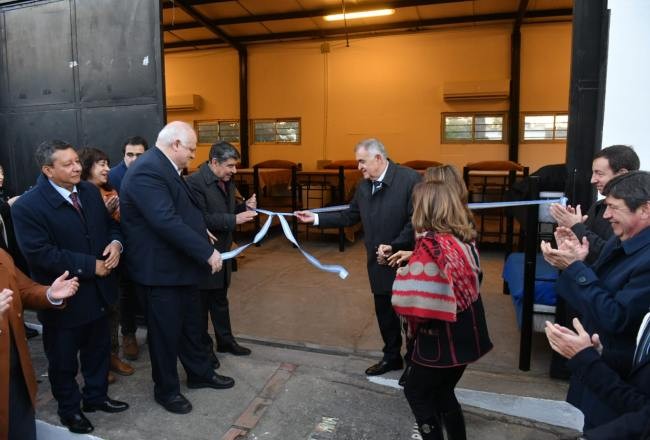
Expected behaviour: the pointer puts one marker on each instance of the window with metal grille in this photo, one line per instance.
(209, 132)
(544, 127)
(473, 127)
(276, 131)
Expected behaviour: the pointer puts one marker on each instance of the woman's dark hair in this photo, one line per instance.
(88, 156)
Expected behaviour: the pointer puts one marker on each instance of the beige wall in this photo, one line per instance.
(385, 87)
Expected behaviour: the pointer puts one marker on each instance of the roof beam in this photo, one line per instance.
(196, 15)
(396, 4)
(326, 33)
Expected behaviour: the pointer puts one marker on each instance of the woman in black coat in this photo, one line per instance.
(437, 293)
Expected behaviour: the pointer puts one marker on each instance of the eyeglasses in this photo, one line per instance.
(132, 155)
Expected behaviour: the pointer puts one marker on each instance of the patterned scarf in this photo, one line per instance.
(441, 278)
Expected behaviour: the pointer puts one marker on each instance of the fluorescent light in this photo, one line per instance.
(360, 14)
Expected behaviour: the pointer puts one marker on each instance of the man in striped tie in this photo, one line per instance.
(629, 395)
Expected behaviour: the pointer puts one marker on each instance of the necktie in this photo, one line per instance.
(376, 186)
(643, 348)
(74, 197)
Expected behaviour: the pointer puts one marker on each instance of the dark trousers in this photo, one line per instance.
(92, 343)
(128, 305)
(215, 304)
(389, 326)
(22, 422)
(430, 391)
(174, 332)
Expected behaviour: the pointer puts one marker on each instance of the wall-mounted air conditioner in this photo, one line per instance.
(178, 103)
(476, 90)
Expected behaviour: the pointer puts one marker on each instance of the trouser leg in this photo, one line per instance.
(220, 313)
(61, 346)
(206, 340)
(22, 422)
(192, 353)
(94, 354)
(164, 322)
(389, 327)
(128, 305)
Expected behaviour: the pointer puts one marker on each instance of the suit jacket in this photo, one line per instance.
(166, 237)
(54, 238)
(116, 174)
(219, 212)
(29, 294)
(611, 297)
(627, 398)
(386, 218)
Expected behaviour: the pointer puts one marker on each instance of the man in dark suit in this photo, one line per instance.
(214, 190)
(627, 396)
(613, 294)
(383, 204)
(62, 224)
(168, 253)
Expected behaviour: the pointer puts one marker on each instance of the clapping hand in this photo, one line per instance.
(567, 342)
(63, 288)
(569, 250)
(566, 216)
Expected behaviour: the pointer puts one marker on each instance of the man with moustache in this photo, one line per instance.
(62, 225)
(214, 190)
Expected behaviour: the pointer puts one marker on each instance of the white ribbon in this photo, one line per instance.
(335, 268)
(332, 268)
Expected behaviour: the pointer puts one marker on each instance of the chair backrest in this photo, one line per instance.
(494, 165)
(346, 164)
(278, 163)
(421, 164)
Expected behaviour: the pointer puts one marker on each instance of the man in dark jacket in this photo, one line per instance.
(382, 202)
(62, 224)
(608, 163)
(214, 191)
(612, 295)
(628, 396)
(168, 254)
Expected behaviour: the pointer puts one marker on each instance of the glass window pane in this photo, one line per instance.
(288, 131)
(488, 128)
(539, 127)
(229, 131)
(264, 131)
(207, 131)
(458, 127)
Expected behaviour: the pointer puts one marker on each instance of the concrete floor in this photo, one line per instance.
(312, 336)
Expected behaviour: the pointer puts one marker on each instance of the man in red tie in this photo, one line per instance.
(62, 225)
(214, 190)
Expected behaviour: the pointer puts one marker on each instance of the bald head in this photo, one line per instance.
(178, 141)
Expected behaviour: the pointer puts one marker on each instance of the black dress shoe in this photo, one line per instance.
(177, 404)
(383, 366)
(234, 348)
(77, 423)
(217, 382)
(109, 405)
(402, 379)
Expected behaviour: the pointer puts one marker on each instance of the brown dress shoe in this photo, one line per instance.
(130, 347)
(111, 378)
(120, 367)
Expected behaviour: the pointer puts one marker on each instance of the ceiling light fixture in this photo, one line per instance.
(360, 14)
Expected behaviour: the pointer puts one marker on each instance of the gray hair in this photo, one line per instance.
(45, 151)
(222, 151)
(373, 146)
(173, 131)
